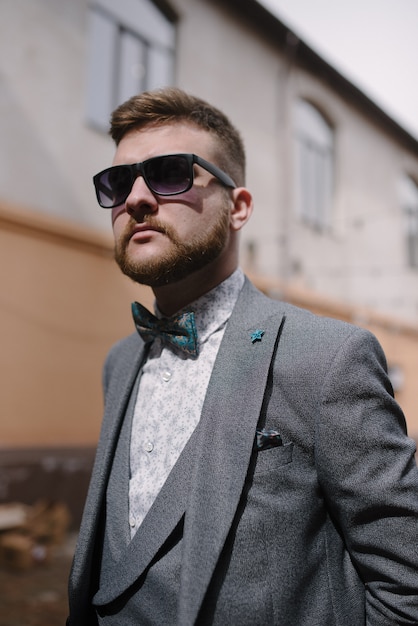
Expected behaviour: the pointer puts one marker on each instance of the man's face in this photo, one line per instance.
(160, 240)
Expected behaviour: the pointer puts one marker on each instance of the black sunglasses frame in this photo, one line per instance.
(139, 169)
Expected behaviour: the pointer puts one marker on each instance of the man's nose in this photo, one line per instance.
(140, 198)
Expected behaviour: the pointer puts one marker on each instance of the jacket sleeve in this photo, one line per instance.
(368, 471)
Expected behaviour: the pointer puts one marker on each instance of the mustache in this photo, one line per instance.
(148, 220)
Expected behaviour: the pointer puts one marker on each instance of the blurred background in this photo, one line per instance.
(332, 163)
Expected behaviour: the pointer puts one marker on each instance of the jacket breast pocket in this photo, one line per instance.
(273, 459)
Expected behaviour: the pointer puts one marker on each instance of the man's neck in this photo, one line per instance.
(171, 298)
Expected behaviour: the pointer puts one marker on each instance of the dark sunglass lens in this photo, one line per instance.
(114, 186)
(168, 174)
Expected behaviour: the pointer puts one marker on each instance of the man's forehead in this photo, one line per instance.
(152, 140)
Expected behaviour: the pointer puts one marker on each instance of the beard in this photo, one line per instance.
(181, 260)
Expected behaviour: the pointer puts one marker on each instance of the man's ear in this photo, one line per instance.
(242, 208)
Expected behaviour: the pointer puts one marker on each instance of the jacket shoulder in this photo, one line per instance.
(306, 333)
(295, 315)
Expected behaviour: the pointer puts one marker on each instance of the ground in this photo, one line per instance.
(38, 596)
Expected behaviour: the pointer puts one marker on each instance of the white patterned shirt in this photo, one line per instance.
(171, 392)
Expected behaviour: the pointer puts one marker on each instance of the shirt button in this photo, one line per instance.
(166, 376)
(132, 521)
(149, 446)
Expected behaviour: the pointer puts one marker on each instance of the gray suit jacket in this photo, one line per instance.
(320, 531)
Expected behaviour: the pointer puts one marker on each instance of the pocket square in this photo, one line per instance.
(266, 439)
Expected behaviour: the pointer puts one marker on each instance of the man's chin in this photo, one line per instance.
(151, 274)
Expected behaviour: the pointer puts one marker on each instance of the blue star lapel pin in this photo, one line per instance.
(257, 335)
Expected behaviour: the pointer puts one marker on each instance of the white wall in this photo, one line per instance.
(48, 154)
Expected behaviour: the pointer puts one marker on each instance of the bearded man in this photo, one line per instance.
(253, 467)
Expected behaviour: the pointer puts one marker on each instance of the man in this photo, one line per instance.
(253, 466)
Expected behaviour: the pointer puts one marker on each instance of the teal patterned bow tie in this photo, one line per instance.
(179, 330)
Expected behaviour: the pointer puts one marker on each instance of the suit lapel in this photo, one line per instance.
(229, 419)
(161, 520)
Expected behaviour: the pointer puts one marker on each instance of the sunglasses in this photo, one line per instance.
(166, 175)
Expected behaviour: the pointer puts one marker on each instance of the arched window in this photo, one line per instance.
(314, 165)
(409, 203)
(132, 46)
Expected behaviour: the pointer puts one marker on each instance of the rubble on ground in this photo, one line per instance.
(29, 534)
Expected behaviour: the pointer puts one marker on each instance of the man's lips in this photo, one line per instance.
(142, 230)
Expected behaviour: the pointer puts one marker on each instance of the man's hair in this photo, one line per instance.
(172, 105)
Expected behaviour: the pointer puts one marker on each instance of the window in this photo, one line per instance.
(314, 165)
(409, 200)
(132, 47)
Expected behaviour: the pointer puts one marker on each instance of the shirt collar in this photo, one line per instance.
(214, 308)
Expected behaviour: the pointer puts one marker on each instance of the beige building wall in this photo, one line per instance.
(63, 303)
